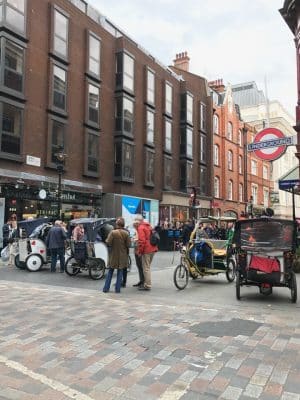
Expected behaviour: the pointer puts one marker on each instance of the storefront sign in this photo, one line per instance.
(35, 161)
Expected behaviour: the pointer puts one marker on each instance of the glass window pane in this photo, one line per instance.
(168, 94)
(189, 108)
(92, 153)
(93, 103)
(128, 72)
(1, 13)
(60, 46)
(11, 129)
(57, 139)
(18, 4)
(59, 87)
(189, 142)
(150, 127)
(168, 135)
(128, 161)
(128, 115)
(15, 18)
(94, 55)
(149, 168)
(13, 73)
(150, 87)
(60, 25)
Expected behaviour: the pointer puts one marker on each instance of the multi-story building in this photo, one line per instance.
(135, 135)
(258, 111)
(242, 182)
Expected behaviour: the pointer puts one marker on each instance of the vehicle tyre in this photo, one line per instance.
(97, 269)
(181, 276)
(34, 262)
(266, 290)
(18, 263)
(230, 271)
(238, 285)
(293, 287)
(129, 263)
(72, 267)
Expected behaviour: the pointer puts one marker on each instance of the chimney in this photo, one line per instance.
(182, 61)
(217, 85)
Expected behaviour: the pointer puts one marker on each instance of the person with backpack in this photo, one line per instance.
(147, 247)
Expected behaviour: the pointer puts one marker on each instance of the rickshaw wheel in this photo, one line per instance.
(181, 276)
(34, 262)
(293, 287)
(238, 285)
(97, 269)
(230, 271)
(18, 263)
(71, 267)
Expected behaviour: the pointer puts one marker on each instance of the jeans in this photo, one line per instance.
(60, 252)
(139, 264)
(109, 277)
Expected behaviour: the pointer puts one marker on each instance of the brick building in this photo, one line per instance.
(135, 135)
(242, 182)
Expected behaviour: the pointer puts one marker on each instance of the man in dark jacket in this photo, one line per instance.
(56, 244)
(187, 229)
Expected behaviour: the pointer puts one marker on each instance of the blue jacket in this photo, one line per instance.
(56, 238)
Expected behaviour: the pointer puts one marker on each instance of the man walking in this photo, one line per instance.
(56, 244)
(145, 249)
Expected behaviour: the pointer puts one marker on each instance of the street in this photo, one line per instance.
(62, 338)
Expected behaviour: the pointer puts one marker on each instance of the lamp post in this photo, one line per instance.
(60, 157)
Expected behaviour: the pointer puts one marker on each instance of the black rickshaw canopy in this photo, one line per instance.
(94, 227)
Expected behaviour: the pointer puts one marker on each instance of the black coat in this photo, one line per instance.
(56, 238)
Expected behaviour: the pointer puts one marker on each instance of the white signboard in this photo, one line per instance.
(35, 161)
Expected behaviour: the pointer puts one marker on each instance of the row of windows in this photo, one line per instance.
(254, 192)
(229, 133)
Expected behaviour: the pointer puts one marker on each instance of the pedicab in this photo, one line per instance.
(90, 254)
(204, 256)
(266, 250)
(32, 249)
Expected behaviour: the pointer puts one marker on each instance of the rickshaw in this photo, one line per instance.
(31, 244)
(265, 250)
(204, 256)
(90, 254)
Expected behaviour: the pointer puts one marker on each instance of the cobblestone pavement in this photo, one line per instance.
(69, 343)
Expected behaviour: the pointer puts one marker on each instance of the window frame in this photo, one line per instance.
(148, 127)
(52, 107)
(203, 148)
(217, 187)
(51, 120)
(123, 132)
(254, 193)
(121, 73)
(229, 131)
(123, 177)
(4, 21)
(203, 117)
(167, 173)
(240, 138)
(148, 182)
(62, 57)
(203, 180)
(254, 167)
(21, 107)
(87, 172)
(230, 190)
(240, 161)
(241, 192)
(216, 155)
(150, 90)
(265, 172)
(230, 160)
(89, 72)
(88, 121)
(216, 124)
(168, 106)
(168, 138)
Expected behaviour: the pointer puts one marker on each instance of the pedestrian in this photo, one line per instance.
(118, 241)
(12, 245)
(6, 228)
(145, 249)
(187, 229)
(138, 257)
(78, 233)
(55, 242)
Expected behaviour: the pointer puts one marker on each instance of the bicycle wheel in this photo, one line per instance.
(293, 287)
(181, 276)
(97, 269)
(230, 271)
(72, 267)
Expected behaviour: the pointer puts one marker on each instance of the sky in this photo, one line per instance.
(240, 42)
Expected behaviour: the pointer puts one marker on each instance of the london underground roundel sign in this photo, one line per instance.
(269, 144)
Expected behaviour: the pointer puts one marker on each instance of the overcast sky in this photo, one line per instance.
(236, 40)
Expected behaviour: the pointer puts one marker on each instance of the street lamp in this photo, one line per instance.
(60, 157)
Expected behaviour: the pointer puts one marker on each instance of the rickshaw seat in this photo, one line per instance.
(220, 252)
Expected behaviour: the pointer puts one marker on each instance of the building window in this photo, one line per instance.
(124, 161)
(94, 47)
(203, 117)
(168, 98)
(57, 139)
(254, 190)
(265, 172)
(240, 138)
(216, 155)
(229, 131)
(11, 129)
(14, 14)
(150, 87)
(203, 180)
(125, 72)
(186, 175)
(59, 88)
(230, 160)
(149, 168)
(186, 142)
(240, 164)
(92, 154)
(12, 65)
(253, 167)
(167, 173)
(124, 115)
(60, 37)
(241, 192)
(230, 190)
(216, 124)
(93, 105)
(168, 135)
(203, 148)
(217, 186)
(150, 127)
(266, 197)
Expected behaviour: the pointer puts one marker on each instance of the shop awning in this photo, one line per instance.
(290, 181)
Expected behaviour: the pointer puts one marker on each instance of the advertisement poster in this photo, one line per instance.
(131, 206)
